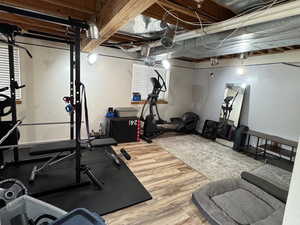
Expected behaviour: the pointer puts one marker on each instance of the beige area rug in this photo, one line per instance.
(210, 158)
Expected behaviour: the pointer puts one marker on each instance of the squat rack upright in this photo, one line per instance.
(74, 44)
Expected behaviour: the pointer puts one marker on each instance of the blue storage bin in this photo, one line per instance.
(136, 96)
(80, 217)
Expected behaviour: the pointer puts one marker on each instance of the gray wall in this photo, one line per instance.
(108, 83)
(272, 102)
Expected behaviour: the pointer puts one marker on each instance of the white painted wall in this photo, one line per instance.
(292, 210)
(271, 105)
(108, 83)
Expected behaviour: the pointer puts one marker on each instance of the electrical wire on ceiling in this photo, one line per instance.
(214, 23)
(202, 25)
(259, 10)
(221, 43)
(290, 64)
(178, 18)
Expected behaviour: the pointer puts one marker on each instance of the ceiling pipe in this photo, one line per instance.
(271, 14)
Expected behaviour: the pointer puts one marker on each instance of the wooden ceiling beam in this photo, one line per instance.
(209, 8)
(32, 27)
(113, 15)
(45, 6)
(86, 6)
(16, 19)
(253, 53)
(156, 12)
(186, 11)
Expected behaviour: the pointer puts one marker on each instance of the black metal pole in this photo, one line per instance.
(72, 90)
(13, 93)
(78, 103)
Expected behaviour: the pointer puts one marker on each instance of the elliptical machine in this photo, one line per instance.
(153, 122)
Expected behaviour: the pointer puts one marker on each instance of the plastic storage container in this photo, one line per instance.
(20, 210)
(80, 217)
(126, 112)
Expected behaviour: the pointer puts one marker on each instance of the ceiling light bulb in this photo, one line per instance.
(92, 58)
(166, 64)
(241, 71)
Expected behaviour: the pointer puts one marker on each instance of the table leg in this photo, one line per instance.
(292, 154)
(256, 149)
(248, 143)
(265, 149)
(280, 147)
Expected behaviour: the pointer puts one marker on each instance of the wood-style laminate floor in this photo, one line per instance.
(169, 181)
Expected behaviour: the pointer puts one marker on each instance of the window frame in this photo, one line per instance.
(149, 87)
(4, 70)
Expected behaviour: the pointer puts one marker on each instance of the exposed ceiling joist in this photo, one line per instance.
(156, 12)
(12, 19)
(207, 8)
(113, 15)
(81, 6)
(178, 8)
(216, 11)
(208, 12)
(254, 53)
(33, 27)
(45, 6)
(187, 11)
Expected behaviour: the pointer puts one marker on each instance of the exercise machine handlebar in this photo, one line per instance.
(4, 89)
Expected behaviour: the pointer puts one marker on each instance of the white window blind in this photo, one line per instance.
(141, 80)
(4, 70)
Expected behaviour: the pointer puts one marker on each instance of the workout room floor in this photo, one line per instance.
(171, 169)
(215, 160)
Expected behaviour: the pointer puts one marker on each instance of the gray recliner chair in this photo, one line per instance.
(257, 198)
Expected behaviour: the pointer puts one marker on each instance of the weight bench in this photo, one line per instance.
(68, 146)
(60, 147)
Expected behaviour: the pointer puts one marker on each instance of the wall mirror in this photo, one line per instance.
(231, 109)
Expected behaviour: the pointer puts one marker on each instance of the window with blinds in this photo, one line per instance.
(141, 83)
(4, 70)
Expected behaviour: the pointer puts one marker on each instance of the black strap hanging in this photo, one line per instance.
(86, 113)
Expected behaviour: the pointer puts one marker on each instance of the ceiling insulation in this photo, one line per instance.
(239, 6)
(274, 28)
(145, 27)
(279, 33)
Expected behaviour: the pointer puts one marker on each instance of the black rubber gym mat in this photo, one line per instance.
(121, 188)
